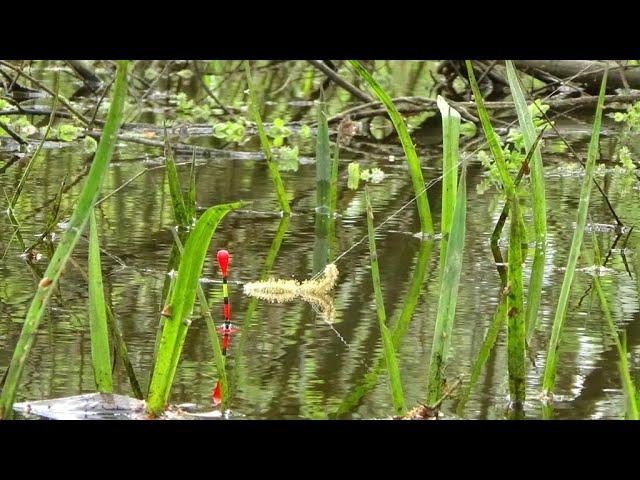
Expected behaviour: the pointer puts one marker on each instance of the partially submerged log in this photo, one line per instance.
(585, 72)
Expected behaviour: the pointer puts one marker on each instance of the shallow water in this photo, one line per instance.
(287, 362)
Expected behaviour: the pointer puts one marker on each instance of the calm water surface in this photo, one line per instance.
(287, 362)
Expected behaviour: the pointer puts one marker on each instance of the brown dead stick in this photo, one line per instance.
(352, 89)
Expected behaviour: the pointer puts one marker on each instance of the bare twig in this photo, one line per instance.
(352, 89)
(42, 86)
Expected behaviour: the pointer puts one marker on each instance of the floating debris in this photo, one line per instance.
(313, 291)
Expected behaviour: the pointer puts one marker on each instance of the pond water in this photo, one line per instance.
(287, 362)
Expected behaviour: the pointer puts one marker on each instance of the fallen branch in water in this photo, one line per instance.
(423, 104)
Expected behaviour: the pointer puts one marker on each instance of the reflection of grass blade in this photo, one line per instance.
(387, 344)
(266, 147)
(77, 223)
(448, 295)
(534, 290)
(515, 308)
(450, 144)
(253, 303)
(426, 224)
(621, 346)
(398, 331)
(100, 355)
(576, 243)
(537, 170)
(181, 304)
(487, 345)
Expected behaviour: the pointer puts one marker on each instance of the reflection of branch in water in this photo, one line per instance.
(315, 292)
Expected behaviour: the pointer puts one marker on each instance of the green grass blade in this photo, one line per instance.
(426, 224)
(387, 344)
(180, 210)
(576, 244)
(77, 223)
(492, 138)
(333, 188)
(516, 331)
(537, 169)
(213, 335)
(398, 331)
(450, 144)
(266, 147)
(323, 160)
(190, 198)
(123, 354)
(448, 295)
(100, 354)
(333, 200)
(181, 305)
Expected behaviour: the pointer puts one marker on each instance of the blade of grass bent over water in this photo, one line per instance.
(426, 224)
(448, 295)
(387, 344)
(77, 223)
(576, 244)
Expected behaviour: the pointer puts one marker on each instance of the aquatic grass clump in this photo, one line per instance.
(180, 305)
(426, 223)
(448, 296)
(77, 223)
(537, 169)
(576, 244)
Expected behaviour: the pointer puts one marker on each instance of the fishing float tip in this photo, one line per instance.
(223, 261)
